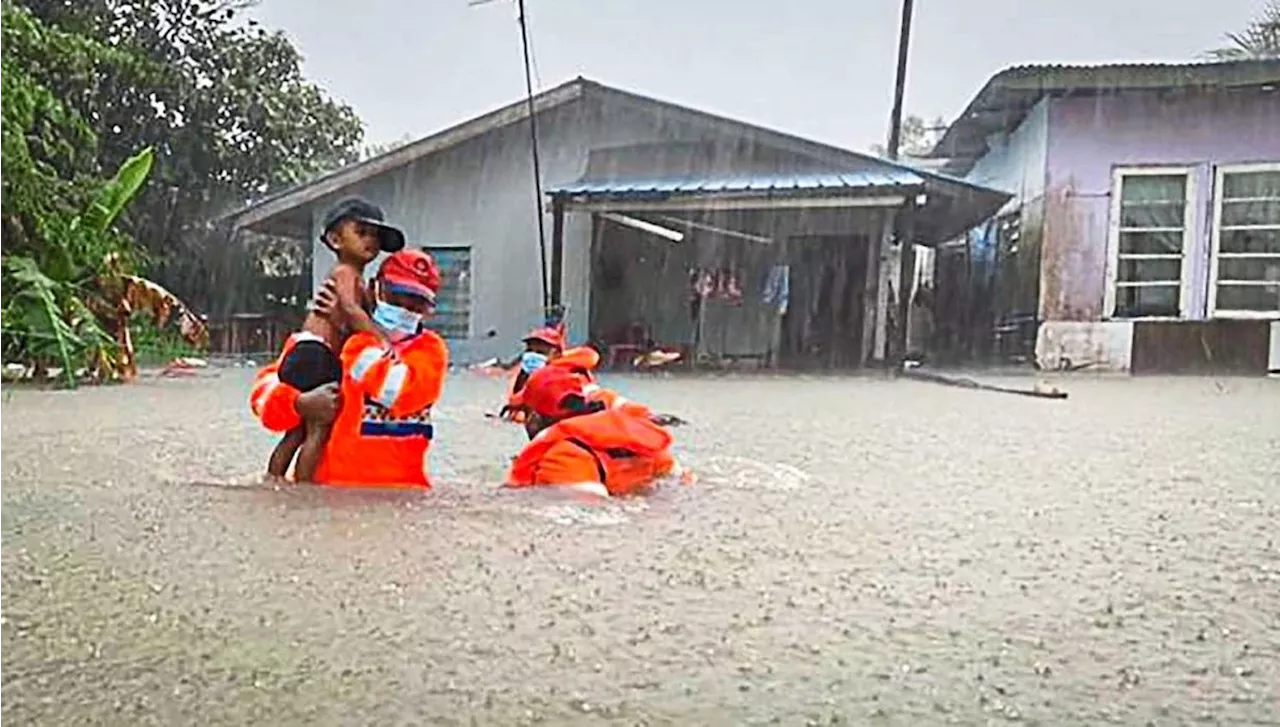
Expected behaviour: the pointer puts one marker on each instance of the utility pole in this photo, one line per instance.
(900, 84)
(904, 225)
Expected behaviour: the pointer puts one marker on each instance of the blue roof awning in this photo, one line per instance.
(951, 205)
(850, 182)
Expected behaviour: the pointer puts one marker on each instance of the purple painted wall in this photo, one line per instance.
(1090, 136)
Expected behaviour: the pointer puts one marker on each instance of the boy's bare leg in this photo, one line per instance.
(317, 435)
(282, 455)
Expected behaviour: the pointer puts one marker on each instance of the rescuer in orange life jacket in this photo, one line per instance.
(545, 347)
(586, 444)
(541, 346)
(382, 428)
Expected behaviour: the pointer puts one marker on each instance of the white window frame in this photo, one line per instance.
(1218, 187)
(1185, 287)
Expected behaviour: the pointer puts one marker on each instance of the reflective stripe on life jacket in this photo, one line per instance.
(383, 432)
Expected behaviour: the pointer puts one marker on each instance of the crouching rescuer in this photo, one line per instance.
(583, 443)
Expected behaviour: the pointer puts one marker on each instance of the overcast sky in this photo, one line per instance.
(818, 68)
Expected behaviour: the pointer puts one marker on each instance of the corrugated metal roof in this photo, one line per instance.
(1007, 96)
(766, 183)
(960, 205)
(1107, 76)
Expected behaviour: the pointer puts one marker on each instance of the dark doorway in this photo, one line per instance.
(822, 327)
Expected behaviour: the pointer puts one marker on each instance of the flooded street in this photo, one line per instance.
(852, 551)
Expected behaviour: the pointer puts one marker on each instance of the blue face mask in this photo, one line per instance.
(532, 361)
(400, 322)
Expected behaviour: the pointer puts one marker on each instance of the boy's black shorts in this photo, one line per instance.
(310, 365)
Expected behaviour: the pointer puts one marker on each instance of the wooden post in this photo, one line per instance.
(906, 281)
(880, 273)
(557, 252)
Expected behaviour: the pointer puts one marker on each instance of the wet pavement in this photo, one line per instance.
(853, 551)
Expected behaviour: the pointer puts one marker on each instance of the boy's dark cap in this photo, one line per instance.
(390, 238)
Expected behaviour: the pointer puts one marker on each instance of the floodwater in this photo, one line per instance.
(853, 551)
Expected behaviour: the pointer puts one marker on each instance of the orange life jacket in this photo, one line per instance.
(581, 358)
(515, 400)
(613, 400)
(271, 400)
(383, 432)
(623, 452)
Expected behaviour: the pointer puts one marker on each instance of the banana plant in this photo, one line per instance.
(71, 304)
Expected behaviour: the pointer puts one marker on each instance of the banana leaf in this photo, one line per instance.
(34, 308)
(118, 192)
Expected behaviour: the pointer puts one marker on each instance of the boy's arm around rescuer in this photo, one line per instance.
(349, 288)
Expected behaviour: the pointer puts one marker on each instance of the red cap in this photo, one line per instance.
(412, 272)
(546, 389)
(549, 336)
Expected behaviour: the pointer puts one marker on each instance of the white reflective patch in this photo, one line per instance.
(392, 385)
(364, 362)
(301, 336)
(590, 388)
(588, 488)
(620, 401)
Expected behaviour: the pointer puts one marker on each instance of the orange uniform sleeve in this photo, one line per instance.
(404, 382)
(273, 401)
(614, 400)
(583, 357)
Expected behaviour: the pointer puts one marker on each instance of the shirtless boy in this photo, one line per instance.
(356, 231)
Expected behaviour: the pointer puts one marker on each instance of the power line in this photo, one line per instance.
(533, 138)
(537, 164)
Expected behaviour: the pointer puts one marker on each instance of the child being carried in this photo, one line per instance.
(356, 232)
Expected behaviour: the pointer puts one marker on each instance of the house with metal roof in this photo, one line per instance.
(1143, 230)
(663, 224)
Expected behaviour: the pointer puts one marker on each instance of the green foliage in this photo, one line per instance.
(157, 346)
(918, 136)
(223, 114)
(1259, 40)
(116, 194)
(51, 258)
(224, 103)
(33, 320)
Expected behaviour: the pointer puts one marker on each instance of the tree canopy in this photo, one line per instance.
(1259, 39)
(221, 99)
(193, 107)
(918, 136)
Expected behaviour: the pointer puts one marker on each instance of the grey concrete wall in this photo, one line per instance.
(480, 193)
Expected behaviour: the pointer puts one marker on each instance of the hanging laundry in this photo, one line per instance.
(718, 284)
(777, 287)
(732, 291)
(705, 284)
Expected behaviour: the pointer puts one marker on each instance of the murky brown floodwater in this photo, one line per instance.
(855, 551)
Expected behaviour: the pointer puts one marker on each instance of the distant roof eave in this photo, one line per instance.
(1005, 99)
